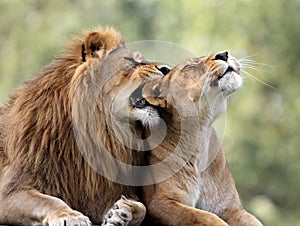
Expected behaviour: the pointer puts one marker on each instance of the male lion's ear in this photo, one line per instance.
(106, 39)
(92, 44)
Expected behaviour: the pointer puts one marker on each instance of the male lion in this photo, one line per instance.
(58, 139)
(190, 178)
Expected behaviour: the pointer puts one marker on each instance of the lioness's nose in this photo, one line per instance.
(222, 56)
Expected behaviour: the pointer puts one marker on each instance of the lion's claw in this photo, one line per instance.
(67, 218)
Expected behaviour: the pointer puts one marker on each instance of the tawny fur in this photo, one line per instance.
(202, 190)
(43, 175)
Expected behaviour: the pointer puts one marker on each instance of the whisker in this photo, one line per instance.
(247, 63)
(257, 79)
(256, 68)
(252, 62)
(246, 73)
(250, 67)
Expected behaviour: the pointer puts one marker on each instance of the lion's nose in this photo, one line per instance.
(222, 56)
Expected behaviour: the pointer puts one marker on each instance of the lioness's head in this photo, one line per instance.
(202, 83)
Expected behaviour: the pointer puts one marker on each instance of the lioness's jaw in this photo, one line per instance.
(230, 80)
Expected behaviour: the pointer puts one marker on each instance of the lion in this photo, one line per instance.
(71, 136)
(61, 160)
(190, 182)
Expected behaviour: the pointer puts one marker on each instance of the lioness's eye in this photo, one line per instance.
(130, 59)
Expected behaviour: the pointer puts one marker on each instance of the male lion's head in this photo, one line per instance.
(109, 118)
(80, 104)
(110, 74)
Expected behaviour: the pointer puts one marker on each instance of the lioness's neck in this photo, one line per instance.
(184, 132)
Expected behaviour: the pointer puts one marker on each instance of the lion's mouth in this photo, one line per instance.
(228, 70)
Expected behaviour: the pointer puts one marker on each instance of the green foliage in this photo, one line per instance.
(262, 132)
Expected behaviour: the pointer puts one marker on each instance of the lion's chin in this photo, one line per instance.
(148, 116)
(230, 83)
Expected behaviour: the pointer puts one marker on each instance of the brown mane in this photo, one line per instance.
(36, 130)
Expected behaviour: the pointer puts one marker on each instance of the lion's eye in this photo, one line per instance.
(163, 69)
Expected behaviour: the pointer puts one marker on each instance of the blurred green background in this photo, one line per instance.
(262, 123)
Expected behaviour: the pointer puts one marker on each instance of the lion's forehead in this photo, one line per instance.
(203, 63)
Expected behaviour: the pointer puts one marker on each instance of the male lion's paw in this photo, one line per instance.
(66, 218)
(123, 212)
(119, 215)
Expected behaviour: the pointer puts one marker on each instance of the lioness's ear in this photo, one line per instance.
(155, 92)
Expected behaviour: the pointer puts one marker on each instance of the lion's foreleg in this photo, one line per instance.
(171, 212)
(125, 212)
(240, 217)
(31, 207)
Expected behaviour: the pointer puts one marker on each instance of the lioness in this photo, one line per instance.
(192, 183)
